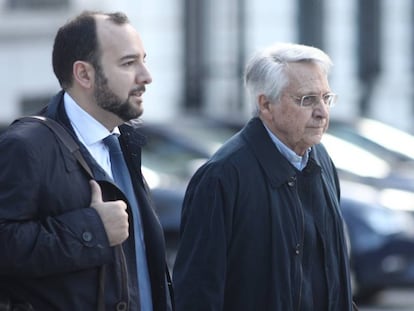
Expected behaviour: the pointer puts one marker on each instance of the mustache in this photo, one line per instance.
(137, 90)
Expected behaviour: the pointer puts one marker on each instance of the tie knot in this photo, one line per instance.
(112, 142)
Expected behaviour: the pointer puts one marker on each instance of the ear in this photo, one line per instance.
(83, 74)
(264, 104)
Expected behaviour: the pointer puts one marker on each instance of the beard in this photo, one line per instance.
(109, 101)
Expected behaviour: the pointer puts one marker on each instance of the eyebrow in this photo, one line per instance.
(132, 56)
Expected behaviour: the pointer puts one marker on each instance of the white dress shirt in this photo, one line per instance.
(90, 132)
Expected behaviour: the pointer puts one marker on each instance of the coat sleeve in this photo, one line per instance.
(200, 268)
(37, 239)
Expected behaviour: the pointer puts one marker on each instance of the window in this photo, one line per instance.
(36, 4)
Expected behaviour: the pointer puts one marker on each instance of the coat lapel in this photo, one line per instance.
(275, 166)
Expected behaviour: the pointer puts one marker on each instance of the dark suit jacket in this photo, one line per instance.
(52, 245)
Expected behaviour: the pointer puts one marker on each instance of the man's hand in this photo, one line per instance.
(113, 215)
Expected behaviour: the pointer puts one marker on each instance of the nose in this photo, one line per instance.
(143, 75)
(321, 110)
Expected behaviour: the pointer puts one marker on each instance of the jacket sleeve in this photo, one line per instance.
(37, 239)
(200, 267)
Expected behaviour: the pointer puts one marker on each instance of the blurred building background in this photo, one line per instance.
(197, 50)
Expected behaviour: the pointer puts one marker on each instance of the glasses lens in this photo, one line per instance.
(313, 100)
(309, 100)
(329, 99)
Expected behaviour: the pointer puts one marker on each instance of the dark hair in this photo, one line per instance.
(77, 40)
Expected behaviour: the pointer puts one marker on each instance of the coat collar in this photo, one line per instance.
(275, 166)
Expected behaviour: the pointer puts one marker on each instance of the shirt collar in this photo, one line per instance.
(297, 161)
(87, 128)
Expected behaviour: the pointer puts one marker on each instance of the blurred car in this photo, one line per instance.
(361, 155)
(381, 239)
(355, 162)
(392, 144)
(168, 204)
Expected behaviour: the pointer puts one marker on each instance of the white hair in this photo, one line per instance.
(266, 74)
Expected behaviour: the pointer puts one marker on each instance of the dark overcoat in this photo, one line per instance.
(242, 232)
(52, 245)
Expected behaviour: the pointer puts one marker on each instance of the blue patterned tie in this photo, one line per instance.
(122, 178)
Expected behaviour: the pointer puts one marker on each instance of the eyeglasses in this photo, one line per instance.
(329, 99)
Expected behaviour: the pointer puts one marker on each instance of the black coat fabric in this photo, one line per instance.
(242, 232)
(52, 244)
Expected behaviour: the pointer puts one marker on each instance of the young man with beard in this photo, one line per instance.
(69, 242)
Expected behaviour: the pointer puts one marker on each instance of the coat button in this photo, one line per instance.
(291, 181)
(121, 306)
(87, 236)
(297, 249)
